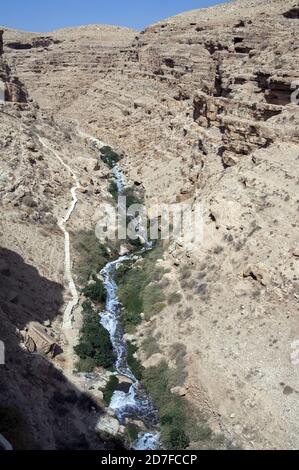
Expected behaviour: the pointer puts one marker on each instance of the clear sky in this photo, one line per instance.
(46, 15)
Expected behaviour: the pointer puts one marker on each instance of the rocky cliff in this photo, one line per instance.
(12, 88)
(201, 105)
(39, 407)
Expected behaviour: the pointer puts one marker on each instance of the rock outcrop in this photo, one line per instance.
(10, 87)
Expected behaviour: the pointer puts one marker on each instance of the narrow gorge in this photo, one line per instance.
(114, 344)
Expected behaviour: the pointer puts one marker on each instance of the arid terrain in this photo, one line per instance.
(203, 108)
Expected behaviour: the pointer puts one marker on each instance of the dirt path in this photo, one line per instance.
(67, 324)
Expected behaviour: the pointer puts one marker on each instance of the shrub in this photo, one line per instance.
(93, 256)
(109, 157)
(85, 365)
(134, 363)
(110, 389)
(113, 190)
(178, 424)
(150, 346)
(132, 432)
(131, 196)
(177, 439)
(129, 283)
(96, 292)
(29, 201)
(174, 298)
(95, 348)
(138, 289)
(152, 296)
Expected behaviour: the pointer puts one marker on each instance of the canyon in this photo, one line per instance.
(203, 109)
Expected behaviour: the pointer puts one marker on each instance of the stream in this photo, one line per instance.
(134, 404)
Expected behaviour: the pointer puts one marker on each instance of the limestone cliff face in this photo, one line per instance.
(36, 399)
(13, 89)
(201, 105)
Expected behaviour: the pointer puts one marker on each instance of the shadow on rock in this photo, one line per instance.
(39, 407)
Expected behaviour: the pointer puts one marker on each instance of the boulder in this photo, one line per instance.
(180, 391)
(109, 425)
(230, 160)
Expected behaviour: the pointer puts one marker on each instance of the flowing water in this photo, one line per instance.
(134, 404)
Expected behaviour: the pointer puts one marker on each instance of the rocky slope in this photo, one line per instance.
(39, 407)
(201, 106)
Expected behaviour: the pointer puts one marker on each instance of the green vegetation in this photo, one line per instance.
(110, 389)
(112, 188)
(132, 433)
(134, 363)
(178, 425)
(131, 197)
(139, 288)
(172, 409)
(93, 255)
(109, 157)
(94, 348)
(174, 298)
(150, 346)
(96, 292)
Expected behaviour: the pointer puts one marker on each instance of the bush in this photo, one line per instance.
(153, 297)
(177, 439)
(95, 347)
(110, 389)
(96, 292)
(85, 365)
(171, 408)
(109, 157)
(174, 298)
(112, 188)
(132, 433)
(178, 423)
(132, 198)
(134, 363)
(139, 289)
(150, 346)
(93, 256)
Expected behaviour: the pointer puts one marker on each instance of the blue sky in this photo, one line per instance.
(46, 15)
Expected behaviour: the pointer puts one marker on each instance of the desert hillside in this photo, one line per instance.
(202, 108)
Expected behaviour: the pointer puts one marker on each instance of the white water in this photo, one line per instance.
(135, 404)
(147, 441)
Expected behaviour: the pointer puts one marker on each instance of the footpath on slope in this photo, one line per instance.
(67, 326)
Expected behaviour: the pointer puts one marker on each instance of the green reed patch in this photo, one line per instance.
(139, 288)
(109, 157)
(96, 292)
(110, 389)
(95, 347)
(179, 425)
(112, 188)
(93, 255)
(134, 363)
